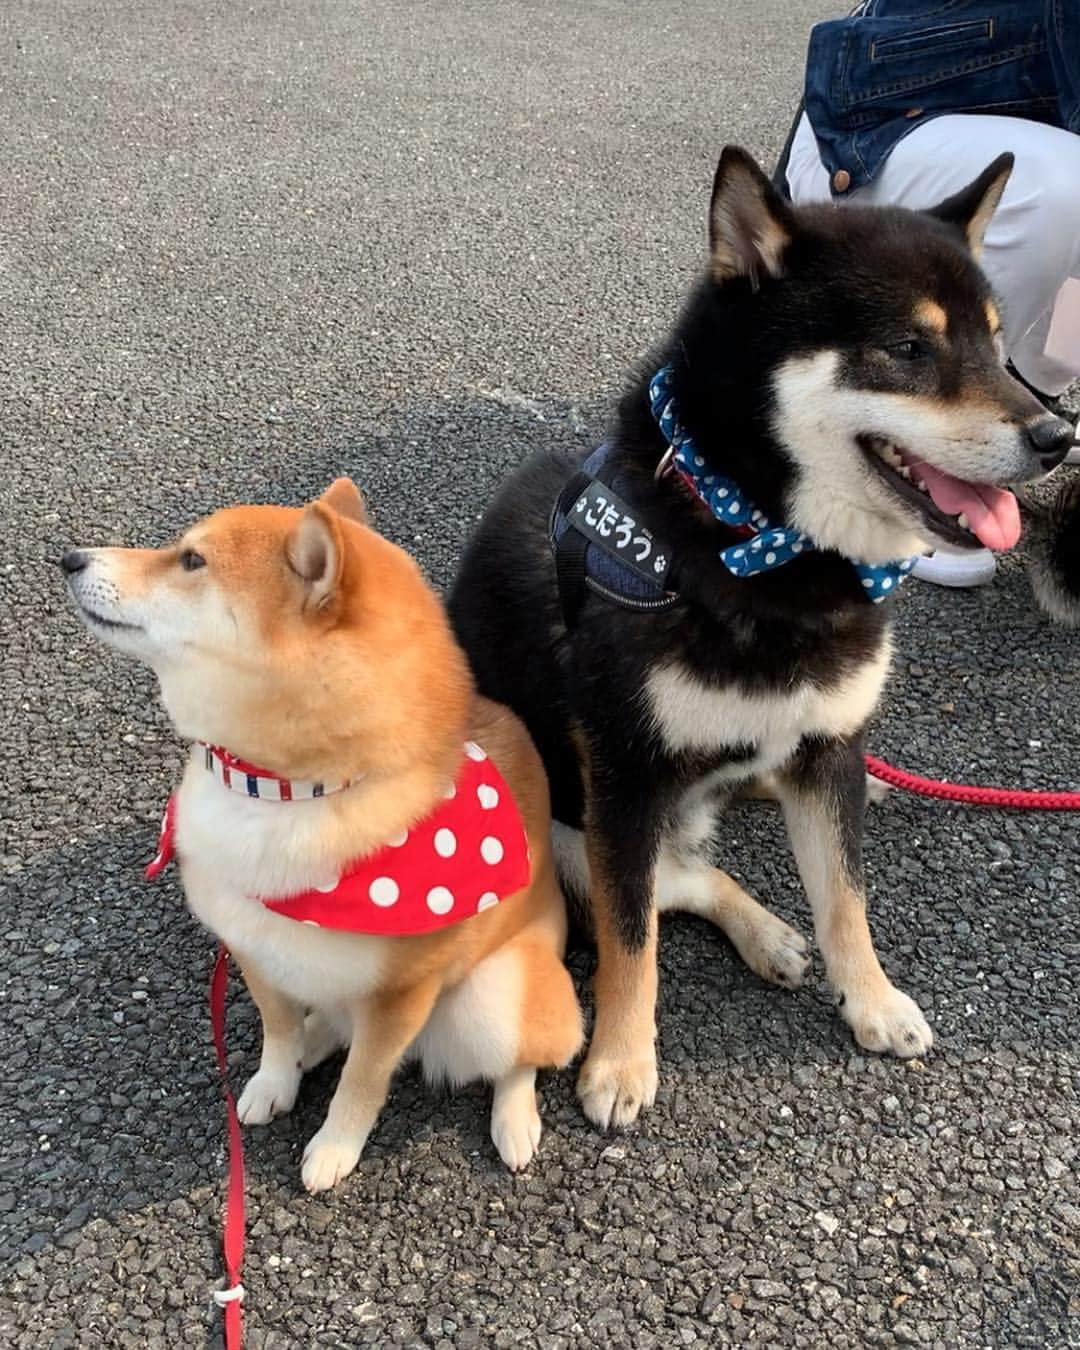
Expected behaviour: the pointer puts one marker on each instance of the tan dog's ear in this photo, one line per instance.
(316, 553)
(344, 497)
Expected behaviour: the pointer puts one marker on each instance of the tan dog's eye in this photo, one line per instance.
(191, 561)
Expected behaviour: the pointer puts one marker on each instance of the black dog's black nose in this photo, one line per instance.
(74, 560)
(1051, 438)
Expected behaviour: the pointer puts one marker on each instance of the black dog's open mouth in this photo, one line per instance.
(969, 515)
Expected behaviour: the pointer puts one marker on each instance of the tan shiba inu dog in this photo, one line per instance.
(304, 642)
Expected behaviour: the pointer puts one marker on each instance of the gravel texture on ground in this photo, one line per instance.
(245, 249)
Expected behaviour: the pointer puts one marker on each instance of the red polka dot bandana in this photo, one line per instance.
(469, 854)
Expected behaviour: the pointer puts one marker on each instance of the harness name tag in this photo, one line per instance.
(605, 520)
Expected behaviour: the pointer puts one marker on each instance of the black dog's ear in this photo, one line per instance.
(749, 222)
(970, 209)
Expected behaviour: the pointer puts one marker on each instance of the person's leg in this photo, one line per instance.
(807, 176)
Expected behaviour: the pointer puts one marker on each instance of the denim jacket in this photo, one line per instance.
(893, 64)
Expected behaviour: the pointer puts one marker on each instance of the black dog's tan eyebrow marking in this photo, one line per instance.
(930, 313)
(993, 318)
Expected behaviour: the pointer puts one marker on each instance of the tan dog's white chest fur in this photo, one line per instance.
(690, 715)
(233, 849)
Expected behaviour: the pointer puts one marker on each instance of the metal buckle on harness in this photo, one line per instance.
(663, 468)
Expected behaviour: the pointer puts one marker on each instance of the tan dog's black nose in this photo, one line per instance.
(1051, 438)
(74, 560)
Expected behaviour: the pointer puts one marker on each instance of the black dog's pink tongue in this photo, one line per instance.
(993, 513)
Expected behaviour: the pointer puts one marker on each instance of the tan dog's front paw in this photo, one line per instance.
(516, 1134)
(888, 1023)
(613, 1092)
(328, 1159)
(267, 1094)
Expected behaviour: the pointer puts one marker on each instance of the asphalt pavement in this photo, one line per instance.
(244, 249)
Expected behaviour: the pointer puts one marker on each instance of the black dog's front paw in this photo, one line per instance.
(614, 1091)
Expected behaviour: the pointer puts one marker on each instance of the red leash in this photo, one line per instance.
(232, 1297)
(973, 796)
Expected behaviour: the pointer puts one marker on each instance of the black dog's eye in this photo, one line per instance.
(191, 561)
(910, 350)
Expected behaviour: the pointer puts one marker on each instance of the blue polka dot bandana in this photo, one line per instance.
(771, 545)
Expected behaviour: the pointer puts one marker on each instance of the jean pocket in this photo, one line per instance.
(930, 42)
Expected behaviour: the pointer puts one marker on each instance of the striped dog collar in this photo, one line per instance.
(240, 776)
(470, 853)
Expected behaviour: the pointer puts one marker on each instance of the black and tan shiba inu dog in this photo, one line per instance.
(841, 371)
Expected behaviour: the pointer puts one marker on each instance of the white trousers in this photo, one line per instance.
(1032, 247)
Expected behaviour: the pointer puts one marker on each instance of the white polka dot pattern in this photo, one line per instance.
(384, 891)
(491, 849)
(440, 900)
(470, 853)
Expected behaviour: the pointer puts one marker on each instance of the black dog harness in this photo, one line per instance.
(601, 544)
